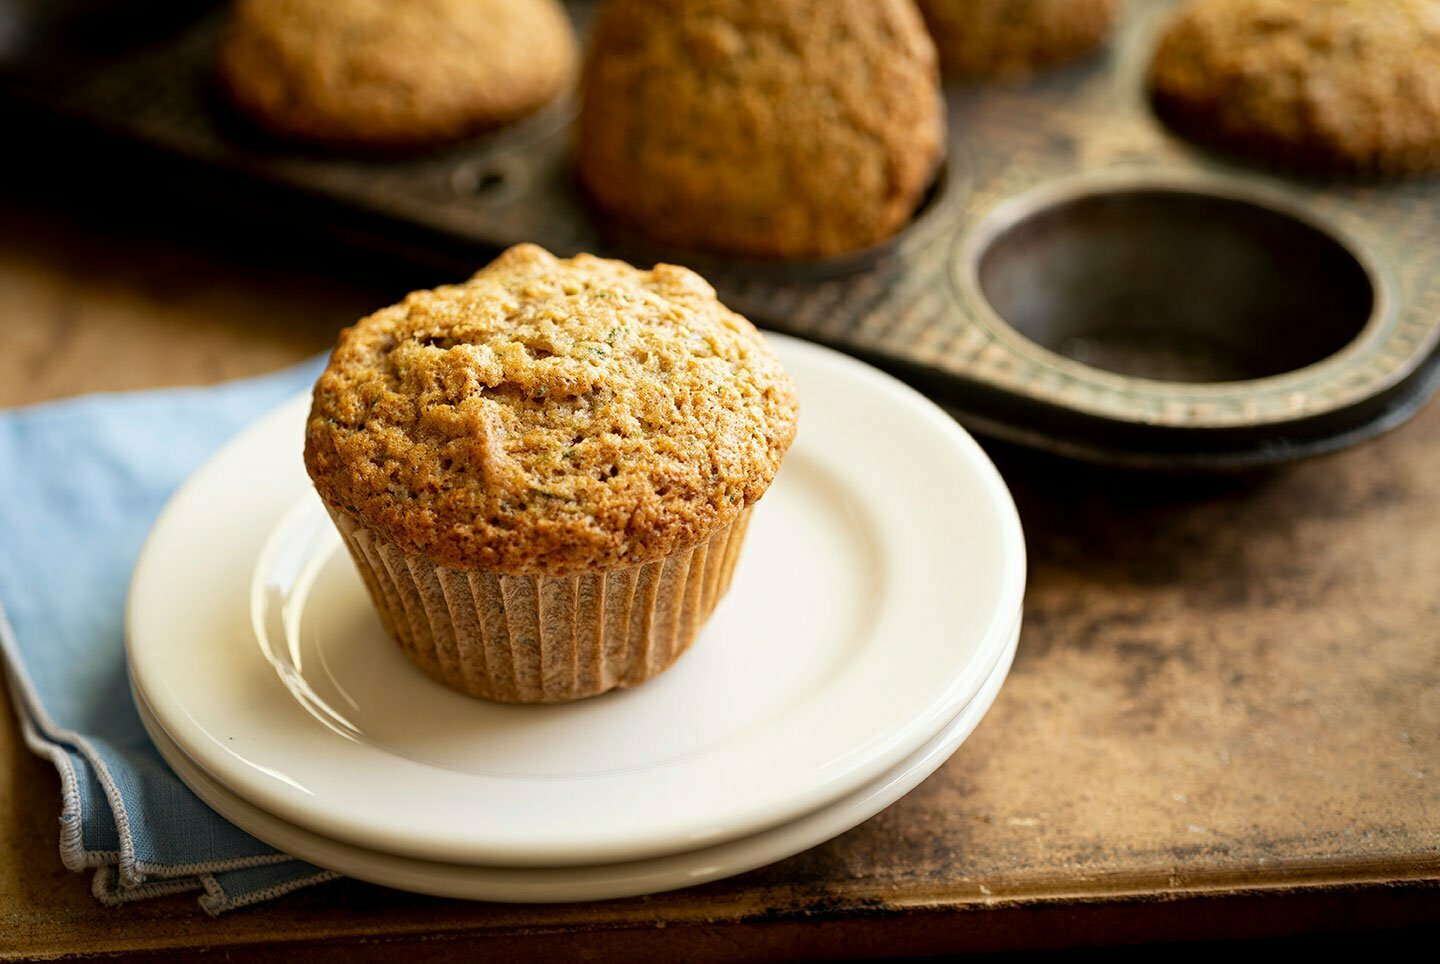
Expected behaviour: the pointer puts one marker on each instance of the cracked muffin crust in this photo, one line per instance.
(1324, 86)
(788, 129)
(358, 73)
(1004, 38)
(550, 417)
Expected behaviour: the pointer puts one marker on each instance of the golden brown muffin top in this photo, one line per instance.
(1003, 38)
(1324, 84)
(394, 72)
(790, 128)
(550, 416)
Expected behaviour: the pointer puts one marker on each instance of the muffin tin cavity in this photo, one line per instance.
(1174, 284)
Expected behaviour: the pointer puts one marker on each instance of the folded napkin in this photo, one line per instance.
(81, 481)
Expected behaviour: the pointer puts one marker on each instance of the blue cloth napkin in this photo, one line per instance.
(81, 481)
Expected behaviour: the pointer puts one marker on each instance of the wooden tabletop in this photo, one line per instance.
(1223, 721)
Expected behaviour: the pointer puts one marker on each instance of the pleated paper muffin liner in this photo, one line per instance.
(543, 639)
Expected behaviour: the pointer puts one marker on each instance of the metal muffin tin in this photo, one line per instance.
(1079, 279)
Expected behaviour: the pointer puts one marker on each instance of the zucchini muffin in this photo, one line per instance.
(544, 475)
(1007, 38)
(788, 129)
(1321, 86)
(390, 74)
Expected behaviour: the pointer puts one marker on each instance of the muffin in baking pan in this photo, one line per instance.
(1321, 86)
(786, 129)
(385, 74)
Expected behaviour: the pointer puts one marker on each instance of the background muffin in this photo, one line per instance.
(1328, 86)
(999, 38)
(787, 129)
(544, 474)
(394, 73)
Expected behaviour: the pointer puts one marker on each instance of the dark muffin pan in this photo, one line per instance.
(1078, 280)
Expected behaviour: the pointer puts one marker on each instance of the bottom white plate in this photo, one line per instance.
(596, 881)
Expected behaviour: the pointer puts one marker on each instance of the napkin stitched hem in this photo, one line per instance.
(106, 888)
(216, 901)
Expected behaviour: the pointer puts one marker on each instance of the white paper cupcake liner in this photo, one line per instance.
(543, 639)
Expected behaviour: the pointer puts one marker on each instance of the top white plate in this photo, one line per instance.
(880, 578)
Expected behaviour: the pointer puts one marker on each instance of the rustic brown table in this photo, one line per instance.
(1224, 719)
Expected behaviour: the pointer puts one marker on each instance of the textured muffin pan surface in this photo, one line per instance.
(1079, 279)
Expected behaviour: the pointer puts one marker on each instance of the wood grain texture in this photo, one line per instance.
(1224, 719)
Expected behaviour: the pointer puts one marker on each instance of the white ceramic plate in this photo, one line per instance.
(880, 580)
(596, 881)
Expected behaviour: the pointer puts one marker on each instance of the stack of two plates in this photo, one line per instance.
(869, 626)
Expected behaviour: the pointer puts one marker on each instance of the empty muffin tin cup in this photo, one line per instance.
(1170, 283)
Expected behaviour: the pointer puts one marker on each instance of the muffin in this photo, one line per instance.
(387, 74)
(1006, 38)
(786, 129)
(1321, 86)
(544, 475)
